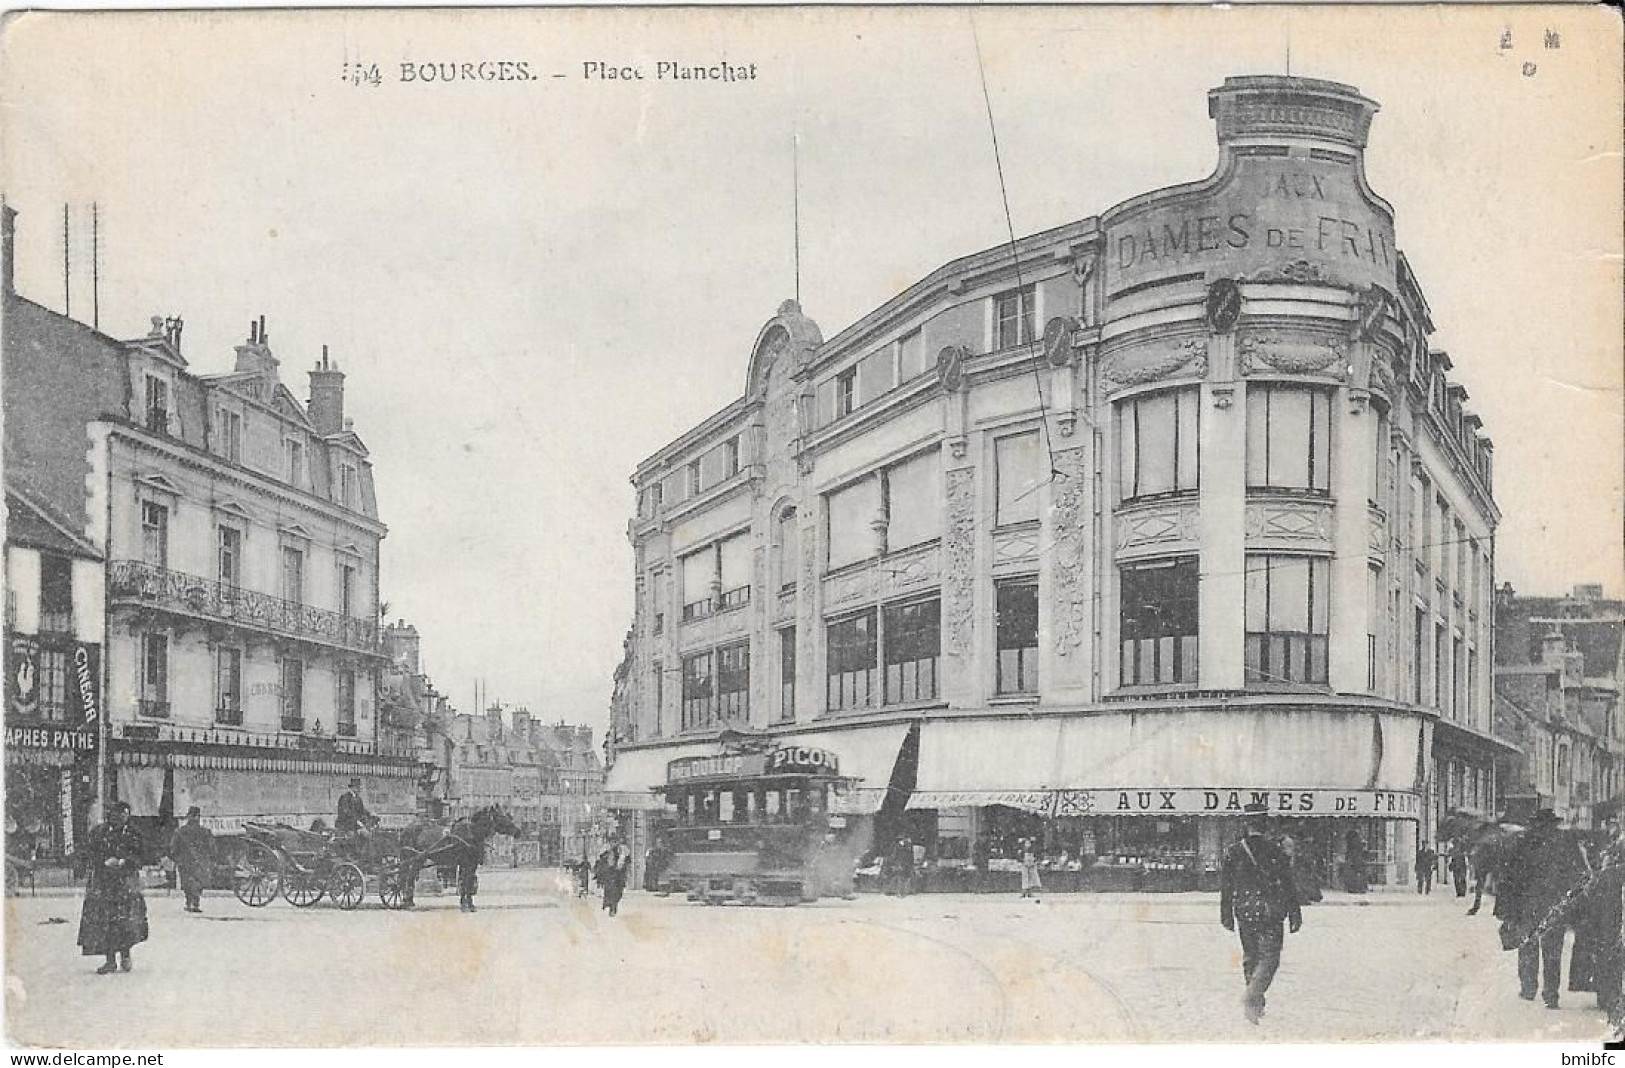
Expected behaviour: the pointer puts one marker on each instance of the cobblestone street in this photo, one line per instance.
(538, 966)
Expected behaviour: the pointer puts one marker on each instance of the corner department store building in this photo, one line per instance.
(1171, 509)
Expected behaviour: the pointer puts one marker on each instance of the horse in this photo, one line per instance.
(460, 844)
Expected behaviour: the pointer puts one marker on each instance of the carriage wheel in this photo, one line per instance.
(347, 885)
(302, 888)
(258, 875)
(389, 884)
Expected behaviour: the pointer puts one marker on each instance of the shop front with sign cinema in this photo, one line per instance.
(1149, 800)
(53, 698)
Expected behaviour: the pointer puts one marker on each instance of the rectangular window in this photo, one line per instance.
(674, 487)
(850, 681)
(914, 501)
(1419, 521)
(852, 513)
(876, 374)
(1157, 622)
(846, 392)
(1438, 551)
(825, 401)
(293, 694)
(699, 581)
(1459, 548)
(910, 356)
(228, 685)
(1017, 472)
(347, 602)
(293, 455)
(733, 565)
(1158, 443)
(787, 675)
(788, 552)
(1288, 609)
(1438, 666)
(154, 674)
(53, 685)
(154, 534)
(347, 486)
(231, 435)
(1458, 699)
(1418, 637)
(293, 575)
(55, 595)
(1379, 456)
(733, 682)
(229, 546)
(1013, 318)
(718, 464)
(1471, 684)
(913, 641)
(699, 688)
(157, 405)
(1373, 619)
(659, 670)
(1017, 637)
(344, 703)
(1288, 438)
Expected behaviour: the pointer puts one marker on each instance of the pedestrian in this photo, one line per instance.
(899, 868)
(613, 868)
(1256, 895)
(114, 917)
(1426, 861)
(1457, 867)
(1534, 900)
(1031, 884)
(192, 850)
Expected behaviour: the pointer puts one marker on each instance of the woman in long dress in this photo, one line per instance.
(114, 916)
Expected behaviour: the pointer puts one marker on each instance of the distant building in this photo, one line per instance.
(1559, 668)
(412, 714)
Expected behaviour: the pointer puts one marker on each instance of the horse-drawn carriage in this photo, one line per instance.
(306, 866)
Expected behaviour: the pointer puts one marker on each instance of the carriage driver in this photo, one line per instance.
(353, 819)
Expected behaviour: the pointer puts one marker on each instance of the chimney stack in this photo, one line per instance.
(326, 407)
(254, 355)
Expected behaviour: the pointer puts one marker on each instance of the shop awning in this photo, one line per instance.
(1179, 760)
(867, 755)
(636, 772)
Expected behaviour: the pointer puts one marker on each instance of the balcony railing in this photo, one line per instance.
(228, 717)
(177, 591)
(155, 708)
(292, 723)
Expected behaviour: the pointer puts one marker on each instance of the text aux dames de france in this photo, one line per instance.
(1301, 802)
(1164, 243)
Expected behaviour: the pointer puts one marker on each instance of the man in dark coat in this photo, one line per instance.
(1457, 866)
(352, 814)
(614, 866)
(1535, 897)
(1426, 861)
(192, 850)
(114, 916)
(1256, 894)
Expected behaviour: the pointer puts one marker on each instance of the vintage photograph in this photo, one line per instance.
(865, 525)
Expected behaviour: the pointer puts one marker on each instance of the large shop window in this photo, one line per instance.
(852, 511)
(228, 685)
(1159, 443)
(1013, 317)
(1017, 637)
(1017, 472)
(911, 635)
(716, 686)
(154, 674)
(913, 492)
(698, 688)
(1289, 434)
(852, 645)
(733, 681)
(1288, 599)
(1157, 625)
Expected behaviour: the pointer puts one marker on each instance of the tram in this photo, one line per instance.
(756, 828)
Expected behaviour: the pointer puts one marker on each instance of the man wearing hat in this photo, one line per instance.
(1535, 900)
(1256, 895)
(192, 850)
(352, 814)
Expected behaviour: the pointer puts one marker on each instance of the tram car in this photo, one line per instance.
(756, 828)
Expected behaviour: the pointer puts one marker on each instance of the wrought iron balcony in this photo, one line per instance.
(176, 591)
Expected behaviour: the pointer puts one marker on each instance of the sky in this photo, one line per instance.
(533, 285)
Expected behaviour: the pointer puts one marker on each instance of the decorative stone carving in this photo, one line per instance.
(1070, 514)
(1265, 351)
(959, 564)
(1295, 271)
(1015, 546)
(907, 570)
(951, 367)
(1158, 526)
(1289, 522)
(1147, 363)
(862, 585)
(786, 606)
(1377, 535)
